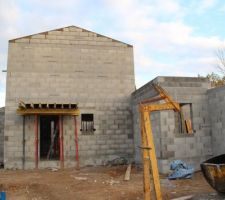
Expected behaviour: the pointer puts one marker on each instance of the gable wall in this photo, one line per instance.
(71, 66)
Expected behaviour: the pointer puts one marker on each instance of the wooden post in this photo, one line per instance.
(23, 160)
(146, 161)
(61, 141)
(76, 141)
(152, 154)
(36, 140)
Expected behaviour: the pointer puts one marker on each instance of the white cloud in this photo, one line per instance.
(182, 52)
(163, 43)
(10, 16)
(2, 99)
(204, 5)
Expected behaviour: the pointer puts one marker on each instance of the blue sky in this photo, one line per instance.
(170, 37)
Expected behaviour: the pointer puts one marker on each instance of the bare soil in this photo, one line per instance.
(94, 183)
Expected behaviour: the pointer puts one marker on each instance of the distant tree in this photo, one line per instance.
(218, 79)
(220, 53)
(215, 79)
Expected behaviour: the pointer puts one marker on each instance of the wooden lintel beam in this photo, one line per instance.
(163, 106)
(48, 111)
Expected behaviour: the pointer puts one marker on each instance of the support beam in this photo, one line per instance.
(146, 162)
(47, 111)
(23, 160)
(152, 155)
(76, 142)
(61, 141)
(36, 140)
(158, 107)
(167, 97)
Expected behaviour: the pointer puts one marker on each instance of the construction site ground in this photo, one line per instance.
(95, 183)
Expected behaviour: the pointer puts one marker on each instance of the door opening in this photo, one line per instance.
(49, 137)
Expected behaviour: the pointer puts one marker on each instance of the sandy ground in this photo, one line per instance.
(94, 183)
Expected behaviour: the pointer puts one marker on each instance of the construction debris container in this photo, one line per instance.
(214, 172)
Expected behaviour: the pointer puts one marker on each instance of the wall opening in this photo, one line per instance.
(184, 119)
(87, 123)
(49, 137)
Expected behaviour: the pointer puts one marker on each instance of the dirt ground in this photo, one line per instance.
(94, 183)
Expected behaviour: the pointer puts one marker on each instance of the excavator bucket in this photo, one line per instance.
(214, 172)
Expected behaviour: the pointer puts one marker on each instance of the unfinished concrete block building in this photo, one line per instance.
(71, 98)
(63, 81)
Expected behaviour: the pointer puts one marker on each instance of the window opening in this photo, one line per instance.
(183, 119)
(87, 123)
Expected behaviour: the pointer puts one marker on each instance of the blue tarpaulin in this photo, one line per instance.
(180, 170)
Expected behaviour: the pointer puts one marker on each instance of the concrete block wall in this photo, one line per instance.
(2, 119)
(170, 144)
(216, 101)
(71, 65)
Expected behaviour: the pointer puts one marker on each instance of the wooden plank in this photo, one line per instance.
(152, 155)
(127, 174)
(158, 107)
(188, 126)
(38, 108)
(184, 197)
(61, 148)
(42, 105)
(31, 111)
(183, 126)
(146, 160)
(163, 93)
(36, 141)
(22, 104)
